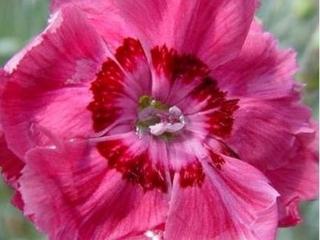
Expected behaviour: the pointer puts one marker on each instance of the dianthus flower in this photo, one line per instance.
(156, 119)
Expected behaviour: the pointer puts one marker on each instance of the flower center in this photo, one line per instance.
(127, 104)
(158, 119)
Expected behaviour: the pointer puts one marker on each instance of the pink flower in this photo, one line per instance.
(156, 119)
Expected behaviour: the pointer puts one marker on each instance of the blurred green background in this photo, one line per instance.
(294, 22)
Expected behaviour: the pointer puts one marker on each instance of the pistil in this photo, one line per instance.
(158, 119)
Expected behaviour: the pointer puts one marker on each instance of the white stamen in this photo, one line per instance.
(152, 235)
(175, 123)
(158, 129)
(174, 127)
(175, 111)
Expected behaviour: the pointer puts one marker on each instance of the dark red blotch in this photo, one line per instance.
(220, 110)
(129, 53)
(106, 88)
(191, 175)
(173, 65)
(134, 168)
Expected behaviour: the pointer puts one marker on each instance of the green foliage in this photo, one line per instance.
(295, 22)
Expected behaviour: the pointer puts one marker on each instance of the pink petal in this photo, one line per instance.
(46, 83)
(212, 103)
(132, 58)
(119, 85)
(175, 75)
(296, 181)
(228, 205)
(106, 18)
(261, 70)
(85, 200)
(211, 29)
(10, 164)
(10, 169)
(18, 202)
(131, 156)
(264, 131)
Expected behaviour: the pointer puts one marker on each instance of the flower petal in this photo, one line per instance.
(296, 181)
(211, 29)
(108, 17)
(47, 83)
(119, 85)
(86, 200)
(10, 164)
(264, 131)
(261, 70)
(226, 206)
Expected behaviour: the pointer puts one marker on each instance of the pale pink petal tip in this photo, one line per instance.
(41, 78)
